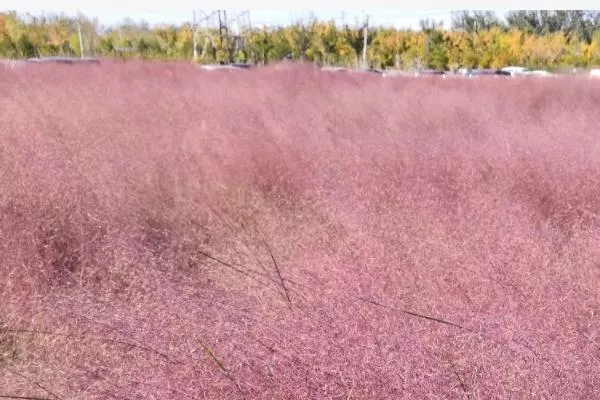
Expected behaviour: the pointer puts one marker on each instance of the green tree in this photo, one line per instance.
(435, 45)
(472, 21)
(25, 48)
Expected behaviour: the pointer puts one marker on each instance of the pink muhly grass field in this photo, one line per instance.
(171, 233)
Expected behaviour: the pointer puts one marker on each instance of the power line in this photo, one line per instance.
(196, 27)
(166, 13)
(234, 29)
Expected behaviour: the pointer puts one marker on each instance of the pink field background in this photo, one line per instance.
(284, 233)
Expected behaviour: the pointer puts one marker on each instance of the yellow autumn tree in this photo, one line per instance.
(514, 39)
(595, 50)
(456, 41)
(415, 55)
(388, 46)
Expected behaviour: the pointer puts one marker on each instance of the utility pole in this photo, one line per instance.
(195, 35)
(228, 47)
(365, 38)
(224, 33)
(80, 35)
(220, 28)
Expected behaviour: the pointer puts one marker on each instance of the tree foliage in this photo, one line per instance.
(533, 38)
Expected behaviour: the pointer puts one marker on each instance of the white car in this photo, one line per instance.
(539, 72)
(515, 70)
(522, 71)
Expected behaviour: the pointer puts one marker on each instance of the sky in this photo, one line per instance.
(265, 12)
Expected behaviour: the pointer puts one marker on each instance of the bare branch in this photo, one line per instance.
(287, 294)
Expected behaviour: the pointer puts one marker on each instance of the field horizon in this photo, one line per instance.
(287, 233)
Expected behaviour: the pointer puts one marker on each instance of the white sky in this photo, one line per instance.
(272, 13)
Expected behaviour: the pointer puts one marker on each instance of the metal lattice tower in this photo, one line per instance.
(226, 30)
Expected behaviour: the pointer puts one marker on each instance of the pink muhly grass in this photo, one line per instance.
(286, 233)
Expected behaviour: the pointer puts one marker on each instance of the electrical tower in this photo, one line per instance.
(221, 30)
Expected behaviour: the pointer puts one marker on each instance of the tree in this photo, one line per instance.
(280, 47)
(299, 37)
(474, 21)
(415, 55)
(324, 42)
(387, 46)
(580, 23)
(167, 37)
(25, 48)
(143, 47)
(428, 24)
(260, 45)
(476, 39)
(524, 20)
(107, 45)
(455, 45)
(435, 46)
(437, 57)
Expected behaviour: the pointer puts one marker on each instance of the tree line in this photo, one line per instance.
(475, 39)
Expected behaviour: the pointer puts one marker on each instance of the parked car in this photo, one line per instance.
(501, 72)
(514, 71)
(468, 72)
(64, 60)
(425, 72)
